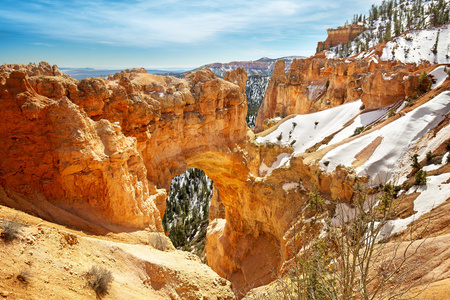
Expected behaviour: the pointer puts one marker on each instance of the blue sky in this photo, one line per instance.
(165, 34)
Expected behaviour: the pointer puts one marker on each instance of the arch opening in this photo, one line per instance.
(186, 217)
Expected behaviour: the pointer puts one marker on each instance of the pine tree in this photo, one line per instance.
(435, 46)
(397, 27)
(387, 33)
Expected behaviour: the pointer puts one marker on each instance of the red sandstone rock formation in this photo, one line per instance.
(340, 35)
(102, 149)
(106, 151)
(316, 84)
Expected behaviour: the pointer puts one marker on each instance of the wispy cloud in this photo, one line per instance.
(43, 44)
(159, 23)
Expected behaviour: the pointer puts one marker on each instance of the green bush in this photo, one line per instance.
(415, 162)
(421, 177)
(361, 129)
(425, 83)
(386, 198)
(358, 130)
(316, 202)
(429, 156)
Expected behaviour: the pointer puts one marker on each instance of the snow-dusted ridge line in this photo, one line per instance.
(414, 46)
(420, 48)
(417, 43)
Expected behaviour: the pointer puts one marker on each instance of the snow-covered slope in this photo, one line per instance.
(383, 155)
(397, 139)
(416, 46)
(304, 131)
(414, 20)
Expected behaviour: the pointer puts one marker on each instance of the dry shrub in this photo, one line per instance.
(100, 279)
(24, 276)
(11, 229)
(160, 242)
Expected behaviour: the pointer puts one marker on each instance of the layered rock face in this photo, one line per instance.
(340, 35)
(103, 149)
(317, 84)
(101, 153)
(106, 151)
(249, 244)
(52, 151)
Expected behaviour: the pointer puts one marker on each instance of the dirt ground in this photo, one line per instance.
(49, 261)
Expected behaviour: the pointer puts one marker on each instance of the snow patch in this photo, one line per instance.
(283, 159)
(362, 120)
(315, 90)
(440, 75)
(217, 225)
(330, 54)
(290, 185)
(304, 131)
(434, 194)
(435, 167)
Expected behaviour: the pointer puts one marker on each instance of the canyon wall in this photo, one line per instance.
(99, 154)
(316, 84)
(107, 150)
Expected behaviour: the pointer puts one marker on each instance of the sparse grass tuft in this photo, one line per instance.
(160, 242)
(24, 276)
(99, 278)
(11, 229)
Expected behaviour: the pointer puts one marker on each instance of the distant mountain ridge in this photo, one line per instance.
(262, 66)
(81, 73)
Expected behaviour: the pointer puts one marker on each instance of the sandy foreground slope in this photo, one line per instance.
(54, 260)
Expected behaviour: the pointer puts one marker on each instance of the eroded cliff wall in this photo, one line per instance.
(317, 84)
(106, 150)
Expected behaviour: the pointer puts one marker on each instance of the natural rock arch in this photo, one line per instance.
(100, 154)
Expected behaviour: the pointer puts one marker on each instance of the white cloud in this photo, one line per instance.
(158, 23)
